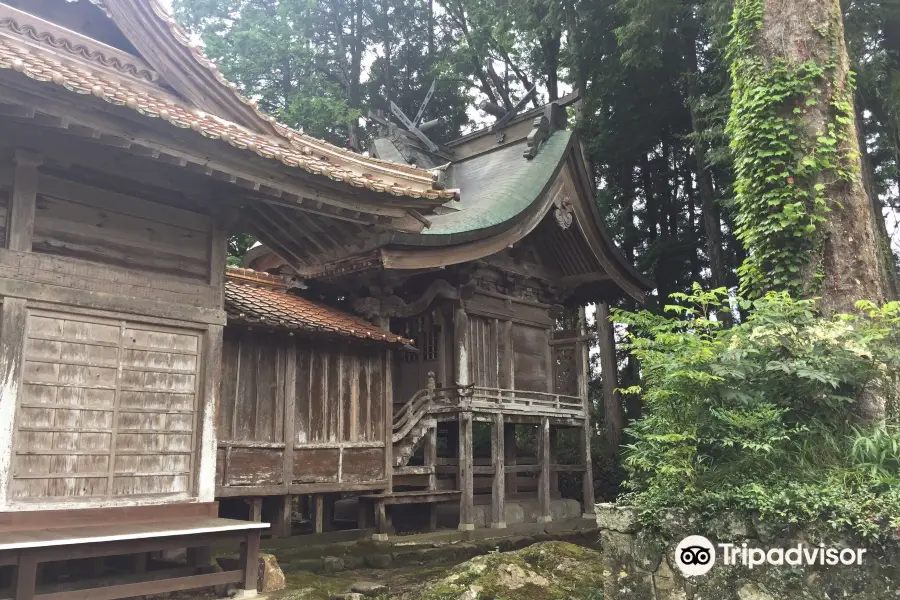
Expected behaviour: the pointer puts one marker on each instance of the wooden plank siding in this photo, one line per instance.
(80, 221)
(106, 409)
(334, 414)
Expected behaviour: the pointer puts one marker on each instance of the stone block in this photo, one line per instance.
(353, 561)
(369, 589)
(648, 551)
(271, 577)
(332, 564)
(617, 518)
(617, 544)
(313, 565)
(379, 561)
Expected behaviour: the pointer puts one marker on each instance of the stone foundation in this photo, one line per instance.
(640, 564)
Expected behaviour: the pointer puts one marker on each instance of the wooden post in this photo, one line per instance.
(582, 358)
(466, 475)
(507, 376)
(554, 460)
(431, 462)
(13, 317)
(387, 389)
(26, 577)
(498, 491)
(381, 525)
(544, 480)
(255, 509)
(20, 228)
(250, 564)
(509, 450)
(290, 410)
(319, 512)
(283, 517)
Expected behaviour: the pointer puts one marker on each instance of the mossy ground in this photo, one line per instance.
(544, 571)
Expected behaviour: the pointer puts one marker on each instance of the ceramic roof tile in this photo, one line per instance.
(291, 149)
(252, 298)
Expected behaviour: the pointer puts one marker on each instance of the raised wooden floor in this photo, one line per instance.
(30, 539)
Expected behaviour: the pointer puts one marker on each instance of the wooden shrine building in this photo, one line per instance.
(125, 160)
(482, 291)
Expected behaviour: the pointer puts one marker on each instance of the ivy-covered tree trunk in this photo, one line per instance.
(802, 211)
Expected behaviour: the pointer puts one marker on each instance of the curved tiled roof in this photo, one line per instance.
(290, 147)
(256, 298)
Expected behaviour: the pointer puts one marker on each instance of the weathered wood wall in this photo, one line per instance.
(296, 412)
(113, 343)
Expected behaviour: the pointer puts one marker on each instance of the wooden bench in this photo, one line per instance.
(380, 501)
(29, 539)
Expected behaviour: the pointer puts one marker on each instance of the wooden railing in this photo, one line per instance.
(432, 399)
(418, 406)
(527, 401)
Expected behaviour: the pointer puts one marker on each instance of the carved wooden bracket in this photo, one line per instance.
(564, 213)
(393, 306)
(539, 133)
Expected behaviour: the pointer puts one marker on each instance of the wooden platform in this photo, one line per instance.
(95, 533)
(381, 501)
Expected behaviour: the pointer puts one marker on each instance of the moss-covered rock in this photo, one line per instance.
(544, 571)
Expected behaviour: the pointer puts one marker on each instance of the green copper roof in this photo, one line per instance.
(498, 186)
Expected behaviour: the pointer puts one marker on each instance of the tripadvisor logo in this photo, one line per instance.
(696, 555)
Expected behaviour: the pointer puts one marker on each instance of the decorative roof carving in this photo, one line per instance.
(66, 41)
(564, 212)
(539, 133)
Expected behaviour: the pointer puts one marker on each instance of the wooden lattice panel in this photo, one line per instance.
(107, 409)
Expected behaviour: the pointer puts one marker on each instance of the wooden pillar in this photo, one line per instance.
(554, 460)
(544, 480)
(510, 457)
(431, 462)
(387, 398)
(466, 479)
(20, 228)
(290, 410)
(507, 357)
(582, 358)
(498, 491)
(461, 335)
(13, 317)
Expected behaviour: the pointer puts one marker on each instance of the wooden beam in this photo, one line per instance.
(20, 228)
(544, 480)
(461, 331)
(498, 490)
(282, 228)
(466, 479)
(255, 509)
(205, 471)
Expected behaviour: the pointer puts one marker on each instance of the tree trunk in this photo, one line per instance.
(813, 30)
(838, 259)
(712, 222)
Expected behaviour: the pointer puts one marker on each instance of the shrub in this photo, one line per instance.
(759, 418)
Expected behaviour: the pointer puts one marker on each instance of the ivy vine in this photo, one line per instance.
(782, 173)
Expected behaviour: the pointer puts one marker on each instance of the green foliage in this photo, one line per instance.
(238, 246)
(756, 418)
(782, 174)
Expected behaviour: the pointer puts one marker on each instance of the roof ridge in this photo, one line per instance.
(290, 134)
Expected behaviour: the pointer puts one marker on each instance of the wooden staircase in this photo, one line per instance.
(413, 421)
